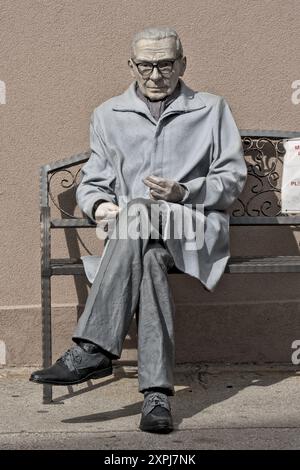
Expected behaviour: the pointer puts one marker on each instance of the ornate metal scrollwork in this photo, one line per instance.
(261, 195)
(68, 180)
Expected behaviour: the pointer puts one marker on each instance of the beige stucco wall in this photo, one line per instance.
(59, 60)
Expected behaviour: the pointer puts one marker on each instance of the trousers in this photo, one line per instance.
(133, 278)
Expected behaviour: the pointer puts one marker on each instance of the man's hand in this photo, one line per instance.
(105, 215)
(162, 188)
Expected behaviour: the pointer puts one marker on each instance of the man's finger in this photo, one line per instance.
(156, 195)
(103, 222)
(154, 186)
(156, 179)
(106, 215)
(111, 215)
(102, 210)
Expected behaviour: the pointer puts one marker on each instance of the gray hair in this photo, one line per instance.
(157, 33)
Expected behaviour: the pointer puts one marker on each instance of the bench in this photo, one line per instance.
(258, 205)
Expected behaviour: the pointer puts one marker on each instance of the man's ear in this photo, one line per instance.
(131, 68)
(182, 66)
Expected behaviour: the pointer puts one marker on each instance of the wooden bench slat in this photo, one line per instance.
(263, 220)
(263, 264)
(246, 264)
(72, 223)
(243, 220)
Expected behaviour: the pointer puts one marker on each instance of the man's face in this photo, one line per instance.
(157, 85)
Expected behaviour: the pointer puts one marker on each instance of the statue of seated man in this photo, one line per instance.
(158, 146)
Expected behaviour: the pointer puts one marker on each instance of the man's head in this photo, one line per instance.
(157, 61)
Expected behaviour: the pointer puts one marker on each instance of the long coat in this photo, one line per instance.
(195, 142)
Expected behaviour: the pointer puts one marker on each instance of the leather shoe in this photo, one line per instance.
(156, 413)
(74, 367)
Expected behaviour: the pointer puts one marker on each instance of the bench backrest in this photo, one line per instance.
(259, 204)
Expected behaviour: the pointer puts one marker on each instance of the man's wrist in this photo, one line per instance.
(95, 206)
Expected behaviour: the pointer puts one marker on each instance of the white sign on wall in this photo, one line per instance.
(2, 353)
(2, 92)
(290, 189)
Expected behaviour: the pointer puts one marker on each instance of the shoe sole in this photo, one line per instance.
(158, 428)
(93, 375)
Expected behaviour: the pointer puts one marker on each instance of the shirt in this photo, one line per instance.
(156, 108)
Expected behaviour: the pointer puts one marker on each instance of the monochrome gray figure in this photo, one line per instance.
(157, 146)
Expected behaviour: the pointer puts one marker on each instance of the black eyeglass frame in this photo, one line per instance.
(155, 64)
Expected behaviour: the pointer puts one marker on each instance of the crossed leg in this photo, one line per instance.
(133, 275)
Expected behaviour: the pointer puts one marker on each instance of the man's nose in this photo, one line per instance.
(155, 75)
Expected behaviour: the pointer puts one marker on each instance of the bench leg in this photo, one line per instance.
(46, 333)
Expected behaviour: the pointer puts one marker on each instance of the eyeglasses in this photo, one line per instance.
(165, 67)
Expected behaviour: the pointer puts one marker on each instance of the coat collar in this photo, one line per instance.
(188, 100)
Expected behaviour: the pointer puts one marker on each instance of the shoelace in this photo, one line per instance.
(155, 399)
(71, 355)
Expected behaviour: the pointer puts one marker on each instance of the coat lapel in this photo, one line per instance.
(188, 100)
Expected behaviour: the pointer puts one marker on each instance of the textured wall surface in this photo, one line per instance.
(59, 60)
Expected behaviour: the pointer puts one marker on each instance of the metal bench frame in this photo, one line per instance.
(267, 151)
